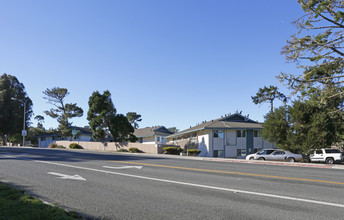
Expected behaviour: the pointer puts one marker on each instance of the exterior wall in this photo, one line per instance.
(149, 140)
(111, 146)
(154, 140)
(84, 138)
(267, 144)
(46, 142)
(258, 142)
(231, 143)
(204, 144)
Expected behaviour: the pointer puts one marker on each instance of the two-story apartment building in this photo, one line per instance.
(232, 136)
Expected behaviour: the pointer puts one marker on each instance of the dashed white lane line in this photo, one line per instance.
(199, 185)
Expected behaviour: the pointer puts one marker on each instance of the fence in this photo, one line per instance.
(113, 146)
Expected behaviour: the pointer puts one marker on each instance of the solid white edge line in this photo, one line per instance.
(199, 185)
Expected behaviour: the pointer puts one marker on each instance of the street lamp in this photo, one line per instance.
(23, 131)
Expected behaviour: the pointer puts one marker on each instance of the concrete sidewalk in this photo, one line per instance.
(258, 162)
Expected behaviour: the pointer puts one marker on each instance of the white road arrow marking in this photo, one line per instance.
(125, 167)
(65, 176)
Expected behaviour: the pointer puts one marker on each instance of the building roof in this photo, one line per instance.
(47, 135)
(82, 131)
(234, 121)
(151, 131)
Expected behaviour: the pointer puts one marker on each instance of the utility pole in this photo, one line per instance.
(24, 132)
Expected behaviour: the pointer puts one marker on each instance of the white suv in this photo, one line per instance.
(326, 155)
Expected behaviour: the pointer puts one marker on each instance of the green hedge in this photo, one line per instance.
(194, 152)
(75, 146)
(122, 150)
(172, 150)
(135, 150)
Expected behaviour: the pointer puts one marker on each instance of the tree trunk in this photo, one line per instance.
(4, 140)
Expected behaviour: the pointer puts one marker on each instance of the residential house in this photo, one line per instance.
(82, 134)
(232, 136)
(152, 135)
(44, 140)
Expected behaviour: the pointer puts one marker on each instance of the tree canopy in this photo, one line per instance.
(62, 111)
(268, 94)
(134, 118)
(13, 97)
(314, 119)
(103, 119)
(303, 126)
(317, 47)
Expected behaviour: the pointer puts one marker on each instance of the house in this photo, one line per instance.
(152, 135)
(232, 136)
(44, 140)
(82, 134)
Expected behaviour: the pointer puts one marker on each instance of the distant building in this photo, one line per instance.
(152, 135)
(45, 139)
(232, 136)
(83, 134)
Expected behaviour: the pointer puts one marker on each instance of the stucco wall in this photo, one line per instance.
(203, 140)
(111, 146)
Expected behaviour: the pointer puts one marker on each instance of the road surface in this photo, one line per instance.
(139, 186)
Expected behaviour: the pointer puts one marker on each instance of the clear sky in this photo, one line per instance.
(175, 62)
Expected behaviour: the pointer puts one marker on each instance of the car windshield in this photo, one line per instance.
(265, 152)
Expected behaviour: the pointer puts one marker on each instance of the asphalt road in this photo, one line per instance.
(139, 186)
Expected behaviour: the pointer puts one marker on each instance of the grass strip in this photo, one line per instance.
(14, 204)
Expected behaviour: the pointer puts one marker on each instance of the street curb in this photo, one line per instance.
(274, 163)
(228, 160)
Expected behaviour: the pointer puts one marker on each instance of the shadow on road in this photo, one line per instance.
(67, 155)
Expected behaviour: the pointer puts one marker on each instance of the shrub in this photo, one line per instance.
(75, 146)
(122, 150)
(52, 145)
(194, 152)
(134, 150)
(171, 150)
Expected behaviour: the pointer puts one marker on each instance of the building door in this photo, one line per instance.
(249, 142)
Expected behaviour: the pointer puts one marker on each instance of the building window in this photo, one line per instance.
(141, 140)
(218, 134)
(158, 139)
(42, 138)
(241, 133)
(256, 133)
(241, 152)
(218, 153)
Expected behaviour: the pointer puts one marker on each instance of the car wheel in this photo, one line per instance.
(329, 160)
(261, 158)
(291, 159)
(251, 158)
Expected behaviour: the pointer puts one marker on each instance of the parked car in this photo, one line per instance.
(326, 155)
(261, 152)
(279, 155)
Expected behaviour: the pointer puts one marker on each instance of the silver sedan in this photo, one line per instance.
(279, 155)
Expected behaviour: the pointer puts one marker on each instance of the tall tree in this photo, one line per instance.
(63, 112)
(103, 119)
(319, 42)
(134, 118)
(304, 125)
(12, 100)
(268, 94)
(40, 120)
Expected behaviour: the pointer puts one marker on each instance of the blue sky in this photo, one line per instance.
(175, 62)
